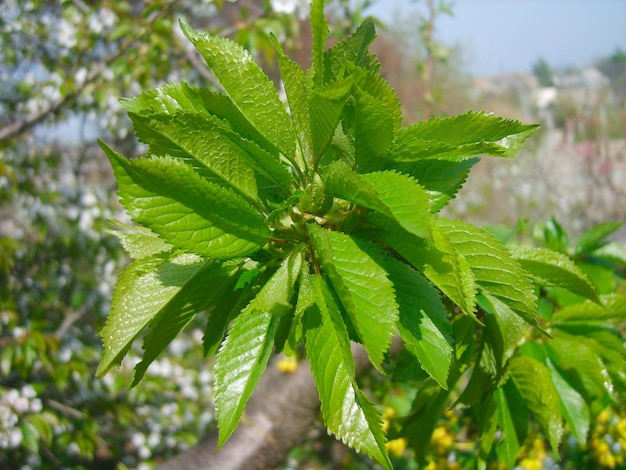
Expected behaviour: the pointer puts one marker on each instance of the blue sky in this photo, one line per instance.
(499, 36)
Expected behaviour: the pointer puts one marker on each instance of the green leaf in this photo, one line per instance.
(595, 237)
(46, 425)
(405, 200)
(326, 106)
(244, 354)
(423, 323)
(203, 290)
(534, 382)
(496, 271)
(613, 252)
(306, 299)
(487, 423)
(247, 85)
(438, 259)
(504, 331)
(362, 286)
(394, 195)
(30, 436)
(613, 308)
(171, 199)
(350, 51)
(553, 236)
(200, 140)
(173, 98)
(240, 363)
(376, 86)
(486, 376)
(460, 136)
(297, 88)
(218, 319)
(615, 303)
(510, 443)
(551, 268)
(319, 32)
(373, 132)
(138, 241)
(146, 288)
(169, 98)
(427, 409)
(346, 410)
(573, 405)
(442, 179)
(580, 364)
(262, 162)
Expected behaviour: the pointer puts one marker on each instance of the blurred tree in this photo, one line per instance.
(64, 64)
(67, 57)
(543, 72)
(433, 51)
(614, 67)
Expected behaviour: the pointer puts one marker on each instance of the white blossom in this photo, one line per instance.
(95, 23)
(11, 438)
(19, 332)
(66, 34)
(81, 75)
(289, 7)
(108, 17)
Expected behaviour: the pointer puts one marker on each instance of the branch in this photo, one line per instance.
(16, 128)
(278, 417)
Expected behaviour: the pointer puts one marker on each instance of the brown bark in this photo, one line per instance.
(278, 417)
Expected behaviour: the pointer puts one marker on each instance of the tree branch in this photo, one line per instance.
(16, 128)
(277, 418)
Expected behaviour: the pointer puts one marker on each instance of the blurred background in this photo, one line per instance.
(63, 66)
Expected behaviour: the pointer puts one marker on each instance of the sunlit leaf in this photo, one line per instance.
(138, 241)
(346, 410)
(183, 307)
(187, 211)
(460, 136)
(362, 286)
(438, 259)
(146, 288)
(423, 322)
(442, 179)
(495, 269)
(595, 237)
(244, 354)
(552, 268)
(394, 195)
(247, 85)
(534, 382)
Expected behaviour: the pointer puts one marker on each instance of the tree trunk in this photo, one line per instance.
(278, 417)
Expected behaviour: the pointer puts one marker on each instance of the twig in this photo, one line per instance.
(65, 410)
(18, 127)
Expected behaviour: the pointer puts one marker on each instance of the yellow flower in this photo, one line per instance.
(603, 417)
(607, 460)
(396, 447)
(442, 439)
(287, 365)
(539, 449)
(621, 428)
(388, 413)
(531, 464)
(431, 466)
(451, 416)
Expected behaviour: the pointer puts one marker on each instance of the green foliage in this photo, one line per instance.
(543, 72)
(321, 227)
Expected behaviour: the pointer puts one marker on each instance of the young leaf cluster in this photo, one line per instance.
(307, 229)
